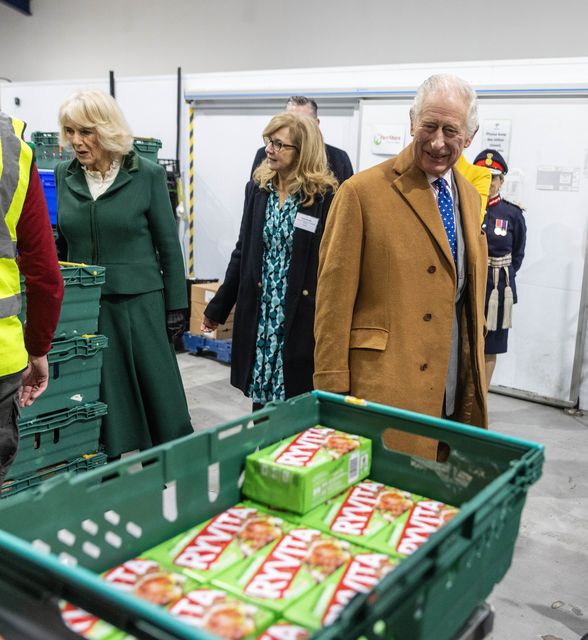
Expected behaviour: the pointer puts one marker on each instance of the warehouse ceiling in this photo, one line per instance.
(24, 6)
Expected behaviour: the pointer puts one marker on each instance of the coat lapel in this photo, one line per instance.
(303, 241)
(413, 186)
(76, 180)
(257, 222)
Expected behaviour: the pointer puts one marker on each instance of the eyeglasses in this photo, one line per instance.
(277, 146)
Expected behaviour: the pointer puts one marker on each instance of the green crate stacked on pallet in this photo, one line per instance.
(107, 516)
(48, 150)
(61, 430)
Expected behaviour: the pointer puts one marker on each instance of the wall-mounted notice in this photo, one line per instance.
(496, 135)
(558, 178)
(388, 139)
(513, 186)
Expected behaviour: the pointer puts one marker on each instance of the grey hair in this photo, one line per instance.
(446, 83)
(302, 101)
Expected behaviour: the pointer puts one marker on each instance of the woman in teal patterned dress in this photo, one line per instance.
(271, 277)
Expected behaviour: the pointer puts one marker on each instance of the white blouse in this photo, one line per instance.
(97, 183)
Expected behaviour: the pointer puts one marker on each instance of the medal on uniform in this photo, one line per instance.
(500, 227)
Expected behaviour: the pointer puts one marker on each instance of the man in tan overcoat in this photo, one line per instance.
(402, 276)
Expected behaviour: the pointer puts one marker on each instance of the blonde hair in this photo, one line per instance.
(99, 111)
(310, 176)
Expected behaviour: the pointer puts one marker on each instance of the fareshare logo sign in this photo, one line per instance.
(388, 139)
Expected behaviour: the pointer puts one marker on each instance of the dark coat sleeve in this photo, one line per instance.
(259, 158)
(220, 306)
(339, 163)
(165, 239)
(519, 241)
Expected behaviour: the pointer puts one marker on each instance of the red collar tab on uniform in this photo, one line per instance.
(494, 200)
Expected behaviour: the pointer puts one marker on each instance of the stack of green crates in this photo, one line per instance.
(48, 150)
(61, 430)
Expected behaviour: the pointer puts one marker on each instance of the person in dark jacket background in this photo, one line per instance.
(337, 160)
(114, 210)
(506, 232)
(271, 276)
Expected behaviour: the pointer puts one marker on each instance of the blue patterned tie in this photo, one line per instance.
(445, 203)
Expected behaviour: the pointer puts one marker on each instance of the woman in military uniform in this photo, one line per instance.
(506, 233)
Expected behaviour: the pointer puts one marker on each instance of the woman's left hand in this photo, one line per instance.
(175, 323)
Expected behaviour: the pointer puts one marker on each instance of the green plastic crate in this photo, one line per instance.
(82, 287)
(430, 595)
(57, 437)
(48, 150)
(147, 147)
(83, 463)
(81, 299)
(75, 368)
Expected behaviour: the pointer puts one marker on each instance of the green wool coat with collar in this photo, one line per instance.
(129, 229)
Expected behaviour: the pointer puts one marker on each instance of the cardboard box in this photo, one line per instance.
(201, 295)
(281, 629)
(323, 605)
(204, 293)
(285, 570)
(380, 517)
(304, 470)
(143, 577)
(221, 333)
(207, 549)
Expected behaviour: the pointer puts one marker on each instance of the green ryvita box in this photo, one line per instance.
(304, 470)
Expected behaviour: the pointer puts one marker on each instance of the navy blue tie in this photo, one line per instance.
(445, 203)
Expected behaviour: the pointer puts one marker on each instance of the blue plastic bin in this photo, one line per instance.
(48, 182)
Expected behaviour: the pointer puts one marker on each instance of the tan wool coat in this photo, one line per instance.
(386, 295)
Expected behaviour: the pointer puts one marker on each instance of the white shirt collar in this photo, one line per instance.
(448, 176)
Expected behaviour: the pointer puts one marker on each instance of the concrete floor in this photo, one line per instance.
(544, 596)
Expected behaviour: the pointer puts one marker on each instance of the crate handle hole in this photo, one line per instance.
(233, 431)
(419, 446)
(213, 481)
(37, 441)
(170, 502)
(56, 436)
(110, 477)
(149, 462)
(254, 423)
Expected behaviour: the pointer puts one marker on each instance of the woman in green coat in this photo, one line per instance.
(114, 210)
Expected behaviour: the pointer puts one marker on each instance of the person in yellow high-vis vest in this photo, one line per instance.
(27, 247)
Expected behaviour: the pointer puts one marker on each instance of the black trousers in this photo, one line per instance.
(9, 412)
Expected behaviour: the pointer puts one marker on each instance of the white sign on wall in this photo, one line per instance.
(496, 135)
(388, 139)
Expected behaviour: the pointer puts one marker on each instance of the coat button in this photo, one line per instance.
(259, 284)
(304, 292)
(427, 317)
(424, 366)
(432, 269)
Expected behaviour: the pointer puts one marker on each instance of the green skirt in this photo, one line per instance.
(141, 382)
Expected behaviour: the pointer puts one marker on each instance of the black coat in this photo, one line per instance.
(338, 161)
(242, 287)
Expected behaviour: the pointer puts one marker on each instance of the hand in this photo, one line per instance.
(34, 380)
(208, 325)
(175, 323)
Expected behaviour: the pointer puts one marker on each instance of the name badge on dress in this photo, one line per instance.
(305, 222)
